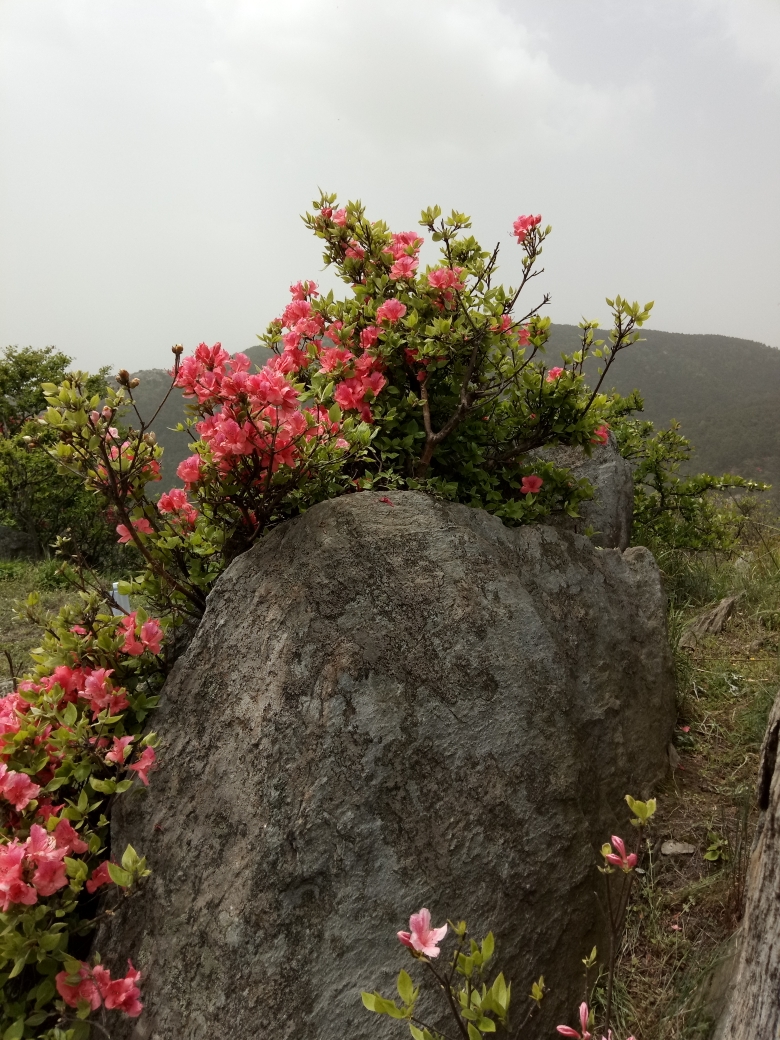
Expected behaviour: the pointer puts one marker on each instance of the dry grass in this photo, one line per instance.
(686, 907)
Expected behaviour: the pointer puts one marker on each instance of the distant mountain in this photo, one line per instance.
(724, 391)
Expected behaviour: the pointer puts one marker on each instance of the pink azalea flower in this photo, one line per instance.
(100, 877)
(584, 1034)
(151, 636)
(86, 989)
(600, 435)
(13, 887)
(340, 217)
(369, 336)
(422, 937)
(531, 485)
(391, 310)
(619, 858)
(445, 278)
(189, 469)
(41, 850)
(120, 994)
(523, 225)
(554, 373)
(302, 290)
(142, 526)
(524, 336)
(404, 267)
(67, 837)
(119, 751)
(17, 788)
(145, 763)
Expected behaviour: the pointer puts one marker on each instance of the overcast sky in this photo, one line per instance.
(156, 155)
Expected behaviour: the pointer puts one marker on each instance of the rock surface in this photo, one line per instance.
(389, 706)
(611, 510)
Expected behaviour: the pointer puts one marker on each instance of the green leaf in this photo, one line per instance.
(474, 1033)
(405, 987)
(369, 1000)
(16, 1031)
(19, 964)
(120, 877)
(70, 715)
(488, 945)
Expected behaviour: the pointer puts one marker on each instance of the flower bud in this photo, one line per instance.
(123, 377)
(177, 349)
(133, 383)
(107, 412)
(94, 417)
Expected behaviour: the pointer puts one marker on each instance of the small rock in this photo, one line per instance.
(677, 848)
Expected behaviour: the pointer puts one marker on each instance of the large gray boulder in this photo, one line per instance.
(389, 706)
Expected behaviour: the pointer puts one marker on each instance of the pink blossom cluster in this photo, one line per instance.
(35, 867)
(17, 788)
(523, 225)
(96, 987)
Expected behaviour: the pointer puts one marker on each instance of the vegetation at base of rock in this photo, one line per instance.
(675, 960)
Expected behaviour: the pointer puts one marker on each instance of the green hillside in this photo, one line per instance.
(724, 391)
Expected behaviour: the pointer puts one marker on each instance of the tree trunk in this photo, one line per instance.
(754, 1013)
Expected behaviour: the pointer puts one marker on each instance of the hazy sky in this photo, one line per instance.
(156, 155)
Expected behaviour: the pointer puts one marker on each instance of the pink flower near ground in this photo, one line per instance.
(619, 858)
(145, 764)
(555, 373)
(600, 435)
(422, 937)
(584, 1034)
(531, 485)
(391, 310)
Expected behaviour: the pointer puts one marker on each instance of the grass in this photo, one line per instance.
(674, 961)
(17, 579)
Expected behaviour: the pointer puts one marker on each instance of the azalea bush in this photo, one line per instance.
(431, 379)
(70, 742)
(475, 999)
(428, 379)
